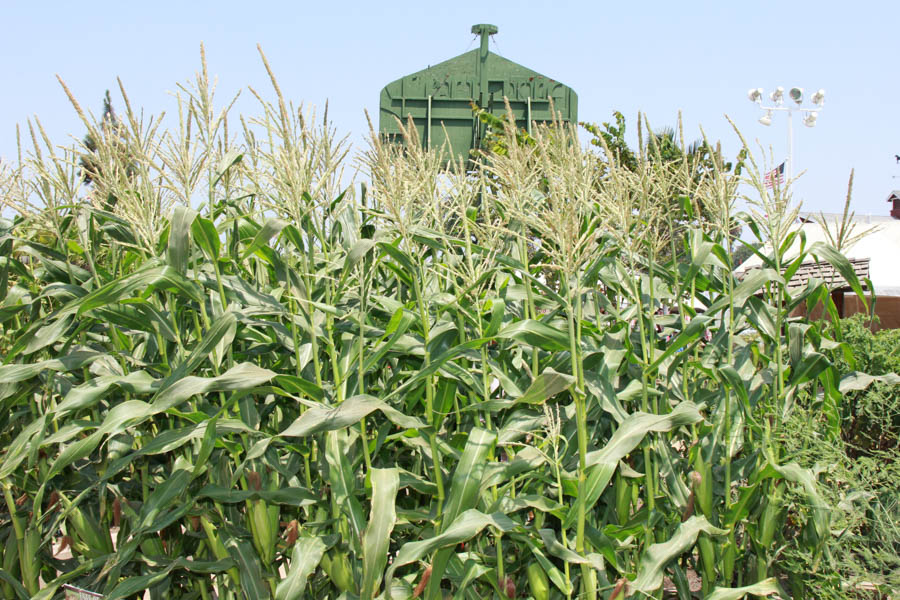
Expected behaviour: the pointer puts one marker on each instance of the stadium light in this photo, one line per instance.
(810, 115)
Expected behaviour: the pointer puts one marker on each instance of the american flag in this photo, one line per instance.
(775, 175)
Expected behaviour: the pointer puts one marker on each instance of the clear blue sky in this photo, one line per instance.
(657, 57)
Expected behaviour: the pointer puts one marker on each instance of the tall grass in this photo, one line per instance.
(226, 376)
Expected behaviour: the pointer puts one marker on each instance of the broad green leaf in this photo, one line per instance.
(18, 450)
(856, 381)
(806, 479)
(632, 430)
(357, 252)
(652, 567)
(244, 376)
(809, 368)
(694, 329)
(231, 158)
(468, 473)
(20, 590)
(598, 477)
(377, 537)
(20, 372)
(180, 237)
(48, 334)
(464, 527)
(305, 557)
(139, 315)
(243, 554)
(203, 351)
(271, 228)
(349, 412)
(206, 236)
(554, 548)
(843, 266)
(288, 496)
(536, 333)
(343, 483)
(148, 278)
(545, 386)
(129, 587)
(766, 587)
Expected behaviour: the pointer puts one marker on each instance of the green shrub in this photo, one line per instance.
(871, 416)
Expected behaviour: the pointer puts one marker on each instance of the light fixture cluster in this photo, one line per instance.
(810, 115)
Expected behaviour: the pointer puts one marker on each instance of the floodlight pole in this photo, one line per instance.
(779, 105)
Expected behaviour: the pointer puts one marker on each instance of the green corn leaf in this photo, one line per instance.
(554, 548)
(536, 333)
(694, 329)
(856, 381)
(21, 372)
(180, 237)
(231, 158)
(127, 588)
(598, 477)
(243, 554)
(162, 497)
(351, 411)
(357, 252)
(766, 587)
(652, 566)
(632, 430)
(343, 483)
(90, 392)
(16, 585)
(146, 279)
(270, 229)
(401, 258)
(497, 473)
(843, 266)
(202, 352)
(377, 537)
(806, 479)
(545, 386)
(240, 377)
(469, 470)
(810, 366)
(464, 527)
(206, 236)
(138, 315)
(46, 335)
(18, 450)
(305, 557)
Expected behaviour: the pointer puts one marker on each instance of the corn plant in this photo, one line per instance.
(224, 375)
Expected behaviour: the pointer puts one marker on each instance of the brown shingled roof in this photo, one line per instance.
(824, 271)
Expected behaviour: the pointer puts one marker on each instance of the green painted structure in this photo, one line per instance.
(440, 97)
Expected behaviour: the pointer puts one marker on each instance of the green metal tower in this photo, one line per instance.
(440, 97)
